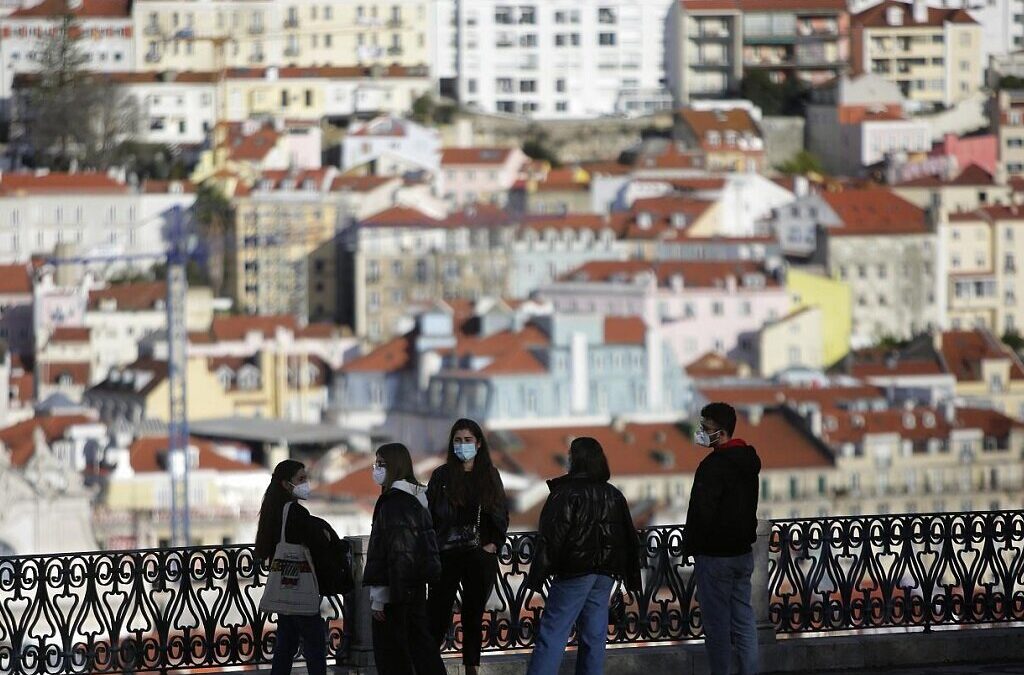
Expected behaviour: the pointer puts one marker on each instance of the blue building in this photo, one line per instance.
(510, 367)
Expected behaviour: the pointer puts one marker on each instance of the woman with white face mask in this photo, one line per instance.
(470, 514)
(401, 559)
(289, 483)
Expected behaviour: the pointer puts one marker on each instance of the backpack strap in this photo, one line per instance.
(284, 518)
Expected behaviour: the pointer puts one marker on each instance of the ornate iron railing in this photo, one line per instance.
(197, 608)
(138, 611)
(896, 571)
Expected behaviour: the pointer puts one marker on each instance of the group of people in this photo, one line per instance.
(428, 541)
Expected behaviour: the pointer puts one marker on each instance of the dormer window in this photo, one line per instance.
(644, 220)
(909, 421)
(713, 138)
(679, 220)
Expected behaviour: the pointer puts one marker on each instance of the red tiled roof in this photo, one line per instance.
(70, 334)
(148, 455)
(51, 372)
(390, 357)
(877, 16)
(695, 274)
(972, 175)
(568, 221)
(357, 484)
(663, 449)
(252, 147)
(827, 397)
(711, 365)
(235, 328)
(20, 440)
(276, 179)
(120, 9)
(359, 183)
(989, 214)
(25, 383)
(12, 183)
(160, 187)
(131, 297)
(401, 216)
(763, 5)
(517, 362)
(736, 120)
(874, 211)
(624, 330)
(965, 350)
(672, 158)
(15, 279)
(481, 156)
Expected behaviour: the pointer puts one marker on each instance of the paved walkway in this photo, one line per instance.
(981, 669)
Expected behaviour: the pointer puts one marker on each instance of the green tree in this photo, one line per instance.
(1011, 82)
(537, 146)
(71, 116)
(801, 164)
(213, 214)
(1012, 339)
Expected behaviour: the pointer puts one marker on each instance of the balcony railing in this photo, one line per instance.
(198, 608)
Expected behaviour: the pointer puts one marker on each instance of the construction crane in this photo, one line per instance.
(175, 257)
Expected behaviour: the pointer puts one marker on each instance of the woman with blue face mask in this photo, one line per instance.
(470, 515)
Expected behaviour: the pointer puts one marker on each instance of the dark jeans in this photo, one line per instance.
(402, 644)
(476, 570)
(312, 631)
(723, 590)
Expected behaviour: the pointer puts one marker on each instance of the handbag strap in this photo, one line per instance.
(284, 518)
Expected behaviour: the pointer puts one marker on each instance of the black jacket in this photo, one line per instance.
(585, 528)
(402, 553)
(448, 516)
(330, 553)
(722, 516)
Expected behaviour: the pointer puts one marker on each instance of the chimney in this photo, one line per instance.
(920, 11)
(949, 412)
(801, 186)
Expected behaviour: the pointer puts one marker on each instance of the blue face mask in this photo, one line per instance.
(465, 451)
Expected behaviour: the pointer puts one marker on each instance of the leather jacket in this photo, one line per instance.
(450, 520)
(402, 553)
(585, 528)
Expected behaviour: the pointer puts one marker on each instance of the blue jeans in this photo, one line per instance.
(312, 630)
(583, 600)
(723, 590)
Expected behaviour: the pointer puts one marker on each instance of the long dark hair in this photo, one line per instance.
(268, 532)
(586, 457)
(481, 479)
(398, 465)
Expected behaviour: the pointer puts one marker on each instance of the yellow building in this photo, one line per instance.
(216, 34)
(793, 341)
(933, 55)
(833, 298)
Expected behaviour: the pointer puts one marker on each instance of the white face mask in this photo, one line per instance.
(380, 473)
(702, 437)
(302, 490)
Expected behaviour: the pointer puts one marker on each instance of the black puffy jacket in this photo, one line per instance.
(585, 528)
(402, 553)
(448, 516)
(721, 519)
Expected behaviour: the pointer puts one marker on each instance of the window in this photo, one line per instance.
(862, 271)
(561, 106)
(606, 39)
(717, 308)
(606, 15)
(560, 87)
(528, 86)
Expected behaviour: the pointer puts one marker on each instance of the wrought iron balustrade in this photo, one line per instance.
(198, 608)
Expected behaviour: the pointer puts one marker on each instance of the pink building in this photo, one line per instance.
(701, 306)
(470, 175)
(980, 149)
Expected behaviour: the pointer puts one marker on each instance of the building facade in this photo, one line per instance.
(933, 55)
(713, 44)
(560, 60)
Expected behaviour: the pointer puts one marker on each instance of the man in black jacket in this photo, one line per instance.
(721, 526)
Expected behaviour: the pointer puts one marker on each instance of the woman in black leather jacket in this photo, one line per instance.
(470, 514)
(401, 559)
(585, 542)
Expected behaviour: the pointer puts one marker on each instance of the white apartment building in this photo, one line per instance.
(392, 147)
(563, 59)
(95, 215)
(106, 40)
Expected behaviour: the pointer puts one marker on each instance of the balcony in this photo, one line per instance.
(291, 22)
(883, 582)
(151, 29)
(256, 29)
(152, 57)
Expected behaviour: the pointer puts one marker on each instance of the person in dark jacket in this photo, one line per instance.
(586, 541)
(470, 513)
(290, 483)
(721, 526)
(401, 559)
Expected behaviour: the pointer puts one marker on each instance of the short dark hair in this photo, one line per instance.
(586, 456)
(722, 414)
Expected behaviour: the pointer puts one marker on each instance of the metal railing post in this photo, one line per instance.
(357, 610)
(760, 595)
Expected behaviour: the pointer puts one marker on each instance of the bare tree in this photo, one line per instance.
(67, 114)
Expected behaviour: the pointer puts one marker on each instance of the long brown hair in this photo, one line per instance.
(269, 529)
(398, 465)
(482, 479)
